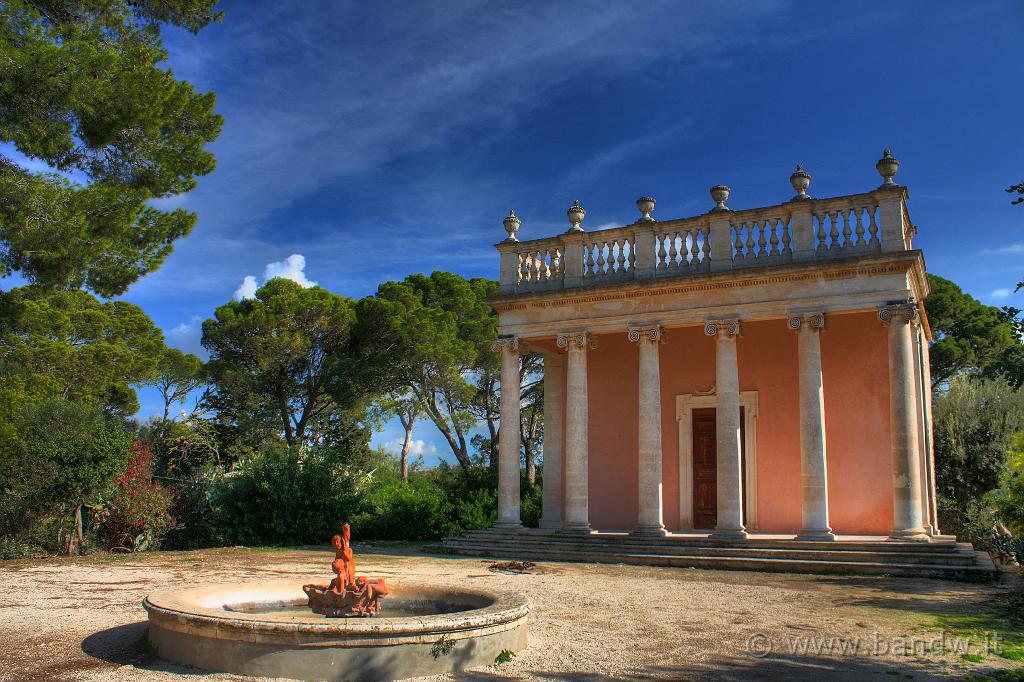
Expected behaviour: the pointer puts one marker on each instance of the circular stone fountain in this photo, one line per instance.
(267, 629)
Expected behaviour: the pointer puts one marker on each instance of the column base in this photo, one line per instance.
(729, 534)
(910, 535)
(551, 525)
(508, 526)
(583, 529)
(809, 535)
(649, 532)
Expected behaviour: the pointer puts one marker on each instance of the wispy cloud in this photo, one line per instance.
(1001, 293)
(1015, 248)
(187, 337)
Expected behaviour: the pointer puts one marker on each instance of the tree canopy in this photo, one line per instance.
(970, 336)
(83, 90)
(277, 358)
(433, 334)
(69, 344)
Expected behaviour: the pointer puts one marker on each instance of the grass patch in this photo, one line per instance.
(972, 658)
(996, 625)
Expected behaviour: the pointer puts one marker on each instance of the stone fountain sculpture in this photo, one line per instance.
(348, 594)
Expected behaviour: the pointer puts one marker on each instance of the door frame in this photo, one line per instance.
(685, 404)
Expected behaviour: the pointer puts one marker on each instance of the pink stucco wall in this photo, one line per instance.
(855, 371)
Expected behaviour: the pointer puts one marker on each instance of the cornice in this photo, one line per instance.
(633, 289)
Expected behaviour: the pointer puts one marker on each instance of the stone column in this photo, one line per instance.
(727, 422)
(577, 504)
(650, 520)
(554, 374)
(813, 469)
(508, 437)
(906, 461)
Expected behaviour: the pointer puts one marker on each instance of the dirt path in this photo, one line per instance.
(81, 619)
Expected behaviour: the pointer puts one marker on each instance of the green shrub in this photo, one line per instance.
(285, 496)
(531, 504)
(416, 510)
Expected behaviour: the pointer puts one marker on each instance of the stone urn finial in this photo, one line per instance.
(720, 193)
(801, 180)
(512, 223)
(646, 205)
(576, 214)
(887, 167)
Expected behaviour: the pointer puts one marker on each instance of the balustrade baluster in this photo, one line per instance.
(774, 241)
(622, 256)
(847, 228)
(873, 226)
(632, 255)
(739, 243)
(821, 231)
(661, 252)
(859, 231)
(601, 260)
(706, 245)
(694, 248)
(786, 239)
(749, 252)
(591, 263)
(762, 242)
(833, 233)
(673, 249)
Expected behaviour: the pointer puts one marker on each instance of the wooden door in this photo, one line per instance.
(705, 469)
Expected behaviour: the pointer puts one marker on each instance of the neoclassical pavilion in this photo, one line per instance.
(756, 371)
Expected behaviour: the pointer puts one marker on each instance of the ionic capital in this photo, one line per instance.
(572, 340)
(812, 321)
(645, 334)
(724, 328)
(506, 344)
(898, 313)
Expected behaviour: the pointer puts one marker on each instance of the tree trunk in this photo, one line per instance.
(406, 445)
(77, 540)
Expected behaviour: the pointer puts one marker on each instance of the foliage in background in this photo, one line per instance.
(69, 344)
(975, 422)
(82, 89)
(281, 358)
(176, 376)
(82, 451)
(136, 515)
(970, 336)
(430, 336)
(288, 495)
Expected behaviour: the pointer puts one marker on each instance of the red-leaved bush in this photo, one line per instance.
(138, 514)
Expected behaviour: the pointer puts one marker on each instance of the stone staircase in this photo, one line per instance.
(941, 558)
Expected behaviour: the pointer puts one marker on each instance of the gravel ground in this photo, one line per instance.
(81, 618)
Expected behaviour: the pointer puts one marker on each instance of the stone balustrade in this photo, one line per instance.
(799, 230)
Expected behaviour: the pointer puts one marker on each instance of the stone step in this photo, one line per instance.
(613, 541)
(957, 558)
(981, 569)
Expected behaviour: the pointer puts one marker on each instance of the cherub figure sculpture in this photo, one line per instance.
(347, 594)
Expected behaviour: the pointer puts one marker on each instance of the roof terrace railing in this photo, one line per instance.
(800, 230)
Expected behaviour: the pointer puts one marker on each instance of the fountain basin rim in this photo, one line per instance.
(189, 610)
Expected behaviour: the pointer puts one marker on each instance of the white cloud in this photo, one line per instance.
(247, 289)
(293, 268)
(417, 448)
(1001, 293)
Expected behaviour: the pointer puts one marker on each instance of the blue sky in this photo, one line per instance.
(380, 139)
